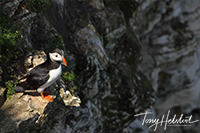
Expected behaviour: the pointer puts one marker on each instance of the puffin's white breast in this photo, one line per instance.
(53, 76)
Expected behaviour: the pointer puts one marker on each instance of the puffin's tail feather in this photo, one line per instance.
(19, 89)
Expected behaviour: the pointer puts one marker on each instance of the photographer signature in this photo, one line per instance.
(181, 121)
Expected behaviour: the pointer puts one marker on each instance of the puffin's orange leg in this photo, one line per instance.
(46, 93)
(46, 97)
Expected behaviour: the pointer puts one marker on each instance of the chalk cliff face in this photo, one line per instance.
(102, 51)
(169, 35)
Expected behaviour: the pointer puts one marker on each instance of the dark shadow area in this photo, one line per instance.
(32, 93)
(6, 120)
(2, 98)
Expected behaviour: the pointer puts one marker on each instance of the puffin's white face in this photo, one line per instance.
(55, 57)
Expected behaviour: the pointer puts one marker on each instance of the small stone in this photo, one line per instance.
(19, 95)
(26, 98)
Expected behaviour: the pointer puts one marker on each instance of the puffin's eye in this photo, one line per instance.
(56, 55)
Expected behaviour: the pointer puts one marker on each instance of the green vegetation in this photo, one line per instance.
(10, 85)
(35, 5)
(9, 51)
(69, 78)
(9, 39)
(8, 44)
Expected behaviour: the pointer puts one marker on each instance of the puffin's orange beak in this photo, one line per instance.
(64, 61)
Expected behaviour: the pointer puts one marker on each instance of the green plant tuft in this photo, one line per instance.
(8, 44)
(10, 85)
(69, 78)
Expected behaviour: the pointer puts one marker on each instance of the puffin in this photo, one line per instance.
(43, 75)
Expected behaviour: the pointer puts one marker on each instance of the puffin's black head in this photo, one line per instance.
(59, 51)
(58, 56)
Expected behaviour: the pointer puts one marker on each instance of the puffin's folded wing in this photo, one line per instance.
(37, 77)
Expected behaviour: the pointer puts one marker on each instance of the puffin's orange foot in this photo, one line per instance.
(46, 97)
